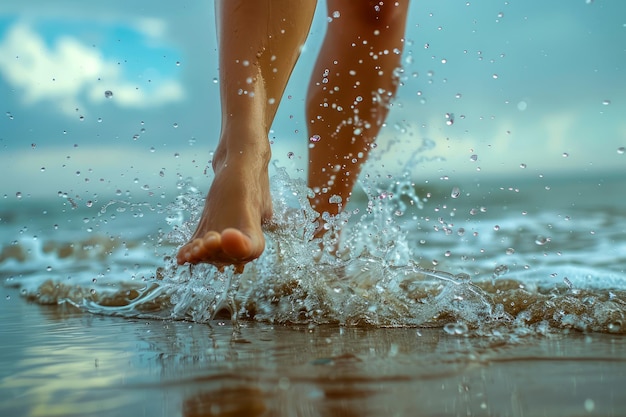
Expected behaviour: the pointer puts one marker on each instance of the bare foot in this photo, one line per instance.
(229, 231)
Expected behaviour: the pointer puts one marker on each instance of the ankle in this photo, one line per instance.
(241, 151)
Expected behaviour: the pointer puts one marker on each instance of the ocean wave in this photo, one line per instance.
(378, 280)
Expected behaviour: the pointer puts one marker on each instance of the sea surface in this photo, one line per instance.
(541, 255)
(448, 298)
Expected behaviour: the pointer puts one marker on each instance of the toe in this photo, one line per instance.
(236, 245)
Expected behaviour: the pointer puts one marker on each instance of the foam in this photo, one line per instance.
(379, 279)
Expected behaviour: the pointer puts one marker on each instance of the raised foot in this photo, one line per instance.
(231, 247)
(229, 231)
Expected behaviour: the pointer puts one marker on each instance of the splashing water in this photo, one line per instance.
(376, 280)
(373, 282)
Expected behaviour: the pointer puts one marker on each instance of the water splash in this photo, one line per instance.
(377, 279)
(373, 282)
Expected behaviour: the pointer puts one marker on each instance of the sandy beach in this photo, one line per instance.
(57, 361)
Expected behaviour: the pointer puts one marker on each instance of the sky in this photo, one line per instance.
(117, 97)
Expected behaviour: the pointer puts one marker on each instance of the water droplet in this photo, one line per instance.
(621, 150)
(456, 192)
(463, 277)
(510, 251)
(614, 327)
(568, 283)
(606, 102)
(474, 158)
(178, 63)
(522, 165)
(500, 270)
(315, 138)
(565, 155)
(456, 329)
(290, 155)
(335, 199)
(175, 125)
(495, 76)
(496, 227)
(18, 195)
(449, 119)
(108, 94)
(541, 240)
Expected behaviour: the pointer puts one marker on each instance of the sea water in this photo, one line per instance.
(491, 258)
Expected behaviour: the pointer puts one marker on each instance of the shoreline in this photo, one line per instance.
(57, 361)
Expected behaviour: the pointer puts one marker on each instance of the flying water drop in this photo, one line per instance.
(456, 329)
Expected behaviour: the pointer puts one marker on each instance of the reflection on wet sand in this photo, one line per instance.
(79, 364)
(233, 402)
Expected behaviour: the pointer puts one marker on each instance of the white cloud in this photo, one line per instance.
(67, 72)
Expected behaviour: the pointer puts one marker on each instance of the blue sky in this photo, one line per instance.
(528, 81)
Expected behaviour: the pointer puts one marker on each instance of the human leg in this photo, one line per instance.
(259, 43)
(353, 82)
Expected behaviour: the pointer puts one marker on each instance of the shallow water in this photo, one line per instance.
(500, 301)
(61, 362)
(547, 254)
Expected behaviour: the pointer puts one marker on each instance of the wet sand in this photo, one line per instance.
(56, 361)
